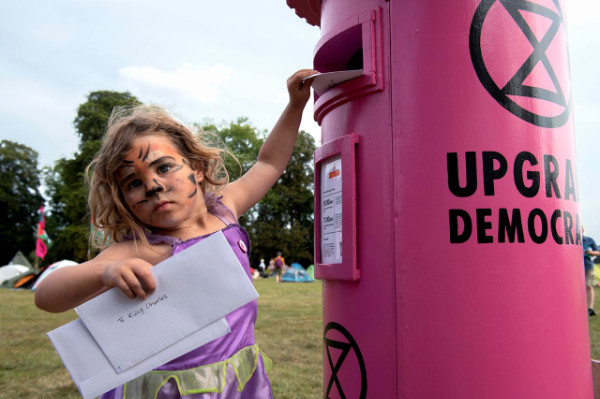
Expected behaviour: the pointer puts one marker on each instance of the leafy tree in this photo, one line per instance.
(68, 224)
(92, 115)
(283, 219)
(243, 142)
(20, 199)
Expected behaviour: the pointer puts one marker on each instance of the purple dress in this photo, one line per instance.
(230, 367)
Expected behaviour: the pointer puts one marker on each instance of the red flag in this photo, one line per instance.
(40, 248)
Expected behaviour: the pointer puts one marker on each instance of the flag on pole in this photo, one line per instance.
(40, 247)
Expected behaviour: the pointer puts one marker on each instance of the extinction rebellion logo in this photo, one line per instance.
(519, 52)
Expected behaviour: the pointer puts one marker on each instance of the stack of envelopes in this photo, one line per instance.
(117, 339)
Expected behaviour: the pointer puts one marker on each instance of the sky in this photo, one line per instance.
(208, 59)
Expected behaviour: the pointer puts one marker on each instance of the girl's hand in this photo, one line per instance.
(299, 90)
(132, 276)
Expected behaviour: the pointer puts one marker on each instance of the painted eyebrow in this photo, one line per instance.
(128, 164)
(161, 159)
(147, 152)
(126, 178)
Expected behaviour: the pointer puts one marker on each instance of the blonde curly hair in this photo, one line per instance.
(110, 214)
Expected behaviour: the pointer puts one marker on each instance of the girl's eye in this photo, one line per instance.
(163, 168)
(134, 184)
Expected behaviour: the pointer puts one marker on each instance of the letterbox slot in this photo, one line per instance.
(340, 52)
(356, 61)
(351, 45)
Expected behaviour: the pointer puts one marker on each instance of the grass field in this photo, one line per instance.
(594, 323)
(288, 329)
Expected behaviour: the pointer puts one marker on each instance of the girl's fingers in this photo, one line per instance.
(146, 278)
(139, 282)
(134, 284)
(297, 79)
(123, 286)
(132, 276)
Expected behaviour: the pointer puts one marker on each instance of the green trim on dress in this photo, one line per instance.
(201, 379)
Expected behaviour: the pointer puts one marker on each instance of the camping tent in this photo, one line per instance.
(51, 268)
(11, 272)
(311, 271)
(22, 280)
(19, 259)
(296, 274)
(18, 270)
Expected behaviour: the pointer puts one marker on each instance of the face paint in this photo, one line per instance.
(138, 203)
(177, 168)
(154, 190)
(193, 180)
(155, 184)
(147, 152)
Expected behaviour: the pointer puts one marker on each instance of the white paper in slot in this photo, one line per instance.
(325, 81)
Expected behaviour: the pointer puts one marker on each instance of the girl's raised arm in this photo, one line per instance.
(276, 151)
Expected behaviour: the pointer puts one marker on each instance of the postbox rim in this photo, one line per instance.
(310, 10)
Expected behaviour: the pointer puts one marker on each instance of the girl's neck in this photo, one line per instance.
(202, 223)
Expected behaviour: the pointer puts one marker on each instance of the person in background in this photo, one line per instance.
(279, 265)
(590, 250)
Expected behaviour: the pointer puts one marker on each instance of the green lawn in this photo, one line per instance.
(595, 327)
(288, 329)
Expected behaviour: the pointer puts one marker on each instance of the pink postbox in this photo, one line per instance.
(447, 226)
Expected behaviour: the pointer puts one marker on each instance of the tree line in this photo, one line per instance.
(281, 221)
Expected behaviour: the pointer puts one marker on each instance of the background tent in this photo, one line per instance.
(311, 271)
(8, 273)
(20, 259)
(23, 280)
(51, 268)
(296, 274)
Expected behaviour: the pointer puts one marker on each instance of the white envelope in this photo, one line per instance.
(194, 288)
(91, 371)
(325, 81)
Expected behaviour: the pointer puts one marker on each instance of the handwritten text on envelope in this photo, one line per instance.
(197, 292)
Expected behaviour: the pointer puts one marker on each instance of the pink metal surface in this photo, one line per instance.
(489, 319)
(307, 9)
(359, 317)
(467, 222)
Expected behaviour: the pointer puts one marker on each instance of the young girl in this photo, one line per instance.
(155, 190)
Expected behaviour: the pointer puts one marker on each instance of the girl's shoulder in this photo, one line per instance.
(221, 205)
(226, 197)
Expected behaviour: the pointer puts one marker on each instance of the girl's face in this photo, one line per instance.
(158, 183)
